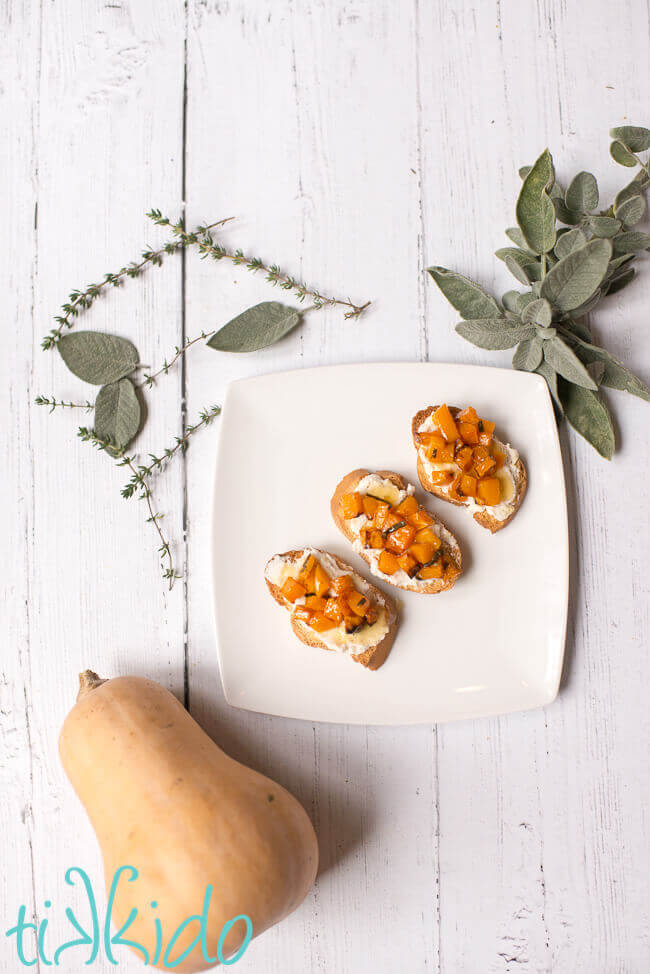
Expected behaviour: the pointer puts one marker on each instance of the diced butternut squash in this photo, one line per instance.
(380, 518)
(468, 415)
(400, 539)
(351, 505)
(427, 536)
(372, 504)
(408, 564)
(440, 478)
(431, 571)
(408, 506)
(433, 444)
(446, 423)
(464, 458)
(319, 622)
(315, 603)
(489, 491)
(446, 454)
(302, 613)
(499, 457)
(352, 622)
(468, 433)
(483, 462)
(322, 581)
(375, 540)
(485, 431)
(341, 584)
(421, 519)
(306, 569)
(293, 590)
(387, 563)
(422, 552)
(468, 485)
(453, 488)
(335, 609)
(358, 602)
(391, 521)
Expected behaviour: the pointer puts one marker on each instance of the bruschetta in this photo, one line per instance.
(404, 544)
(461, 461)
(332, 606)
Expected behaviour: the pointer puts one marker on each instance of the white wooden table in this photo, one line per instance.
(356, 142)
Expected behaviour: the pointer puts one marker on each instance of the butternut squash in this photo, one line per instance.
(165, 799)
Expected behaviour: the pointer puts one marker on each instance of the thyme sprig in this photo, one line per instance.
(79, 301)
(54, 403)
(124, 460)
(207, 247)
(150, 378)
(142, 473)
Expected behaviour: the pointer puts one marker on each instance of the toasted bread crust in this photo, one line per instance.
(373, 657)
(347, 486)
(484, 518)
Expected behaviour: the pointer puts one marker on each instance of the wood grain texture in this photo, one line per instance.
(356, 143)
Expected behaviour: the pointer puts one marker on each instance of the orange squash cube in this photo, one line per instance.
(387, 563)
(408, 564)
(408, 506)
(315, 603)
(422, 552)
(440, 478)
(421, 519)
(351, 505)
(341, 584)
(468, 485)
(499, 457)
(485, 431)
(375, 540)
(468, 415)
(390, 520)
(293, 590)
(446, 423)
(302, 613)
(431, 571)
(335, 609)
(427, 536)
(489, 491)
(483, 462)
(468, 433)
(357, 602)
(432, 445)
(464, 458)
(352, 622)
(446, 454)
(400, 539)
(319, 622)
(322, 581)
(306, 569)
(373, 504)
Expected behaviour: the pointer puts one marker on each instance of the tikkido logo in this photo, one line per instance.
(100, 934)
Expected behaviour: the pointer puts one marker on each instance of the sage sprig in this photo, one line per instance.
(568, 257)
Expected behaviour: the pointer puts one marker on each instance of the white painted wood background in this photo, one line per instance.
(356, 141)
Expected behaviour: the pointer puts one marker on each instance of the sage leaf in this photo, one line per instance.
(535, 212)
(582, 193)
(589, 305)
(517, 238)
(578, 328)
(617, 262)
(528, 267)
(634, 137)
(567, 364)
(464, 295)
(631, 241)
(568, 242)
(494, 333)
(604, 226)
(589, 416)
(549, 373)
(528, 355)
(596, 370)
(538, 312)
(510, 301)
(628, 192)
(620, 154)
(525, 299)
(256, 328)
(117, 413)
(564, 214)
(631, 211)
(96, 357)
(575, 278)
(618, 283)
(616, 375)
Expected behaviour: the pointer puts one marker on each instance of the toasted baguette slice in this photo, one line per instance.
(450, 546)
(379, 644)
(485, 516)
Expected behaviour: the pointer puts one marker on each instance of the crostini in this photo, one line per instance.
(461, 461)
(332, 606)
(404, 544)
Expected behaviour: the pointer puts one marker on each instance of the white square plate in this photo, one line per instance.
(493, 644)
